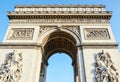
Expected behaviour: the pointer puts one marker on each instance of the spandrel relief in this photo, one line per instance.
(44, 28)
(105, 69)
(21, 34)
(96, 34)
(11, 69)
(73, 28)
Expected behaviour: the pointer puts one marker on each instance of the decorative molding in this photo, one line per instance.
(60, 14)
(96, 34)
(60, 8)
(19, 45)
(64, 20)
(11, 69)
(21, 34)
(60, 11)
(105, 70)
(57, 6)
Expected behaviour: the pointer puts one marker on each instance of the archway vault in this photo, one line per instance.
(59, 41)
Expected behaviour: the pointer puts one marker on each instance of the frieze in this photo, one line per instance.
(96, 33)
(11, 69)
(21, 33)
(65, 20)
(61, 9)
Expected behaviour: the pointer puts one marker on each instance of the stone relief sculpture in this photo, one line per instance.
(105, 69)
(96, 33)
(21, 33)
(11, 69)
(44, 28)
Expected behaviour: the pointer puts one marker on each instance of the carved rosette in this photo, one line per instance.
(21, 33)
(105, 68)
(96, 34)
(11, 69)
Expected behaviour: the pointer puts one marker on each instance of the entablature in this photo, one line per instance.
(59, 11)
(37, 15)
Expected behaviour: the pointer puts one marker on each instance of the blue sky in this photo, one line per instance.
(60, 67)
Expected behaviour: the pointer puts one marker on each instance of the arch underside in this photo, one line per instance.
(59, 41)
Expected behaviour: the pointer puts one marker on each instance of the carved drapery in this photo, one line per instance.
(11, 69)
(105, 68)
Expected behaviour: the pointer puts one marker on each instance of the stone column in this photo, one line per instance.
(45, 73)
(43, 70)
(76, 79)
(80, 63)
(41, 79)
(36, 64)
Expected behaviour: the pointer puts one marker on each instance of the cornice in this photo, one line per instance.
(60, 12)
(19, 44)
(9, 45)
(99, 44)
(37, 15)
(52, 6)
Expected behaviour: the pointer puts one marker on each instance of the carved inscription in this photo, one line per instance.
(21, 33)
(105, 69)
(11, 69)
(96, 33)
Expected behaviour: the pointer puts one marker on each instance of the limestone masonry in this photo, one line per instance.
(35, 32)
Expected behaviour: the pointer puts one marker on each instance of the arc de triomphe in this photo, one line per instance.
(36, 32)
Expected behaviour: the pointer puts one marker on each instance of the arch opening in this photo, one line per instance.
(60, 68)
(59, 42)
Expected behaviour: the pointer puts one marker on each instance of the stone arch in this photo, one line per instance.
(49, 31)
(59, 40)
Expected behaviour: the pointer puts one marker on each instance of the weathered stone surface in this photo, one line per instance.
(81, 31)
